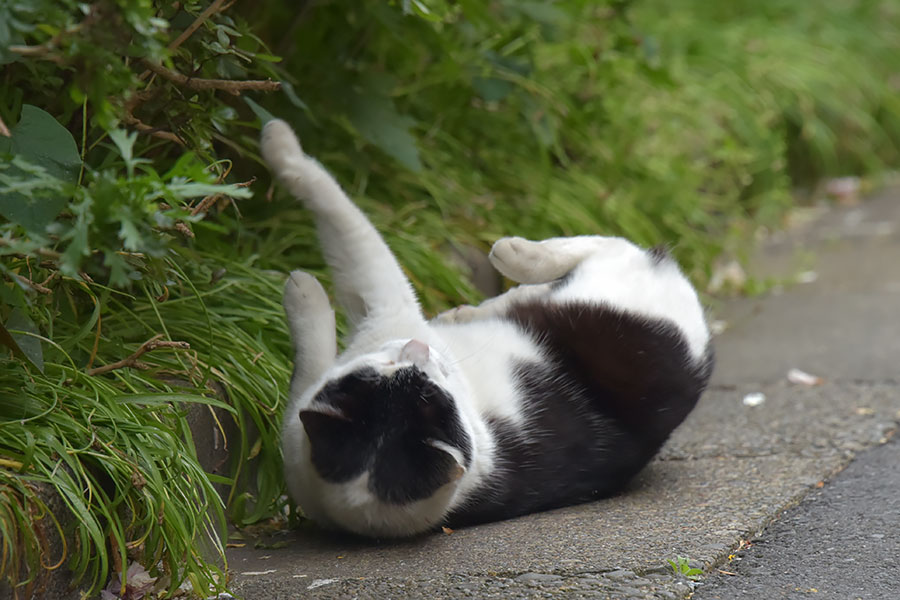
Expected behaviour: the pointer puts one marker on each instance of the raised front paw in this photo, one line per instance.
(282, 152)
(279, 145)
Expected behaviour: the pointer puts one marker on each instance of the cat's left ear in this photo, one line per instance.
(459, 469)
(415, 352)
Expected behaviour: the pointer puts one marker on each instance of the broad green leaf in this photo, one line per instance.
(291, 93)
(542, 12)
(9, 341)
(377, 120)
(28, 346)
(492, 89)
(262, 114)
(41, 140)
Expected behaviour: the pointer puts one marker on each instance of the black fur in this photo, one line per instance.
(615, 388)
(659, 254)
(385, 425)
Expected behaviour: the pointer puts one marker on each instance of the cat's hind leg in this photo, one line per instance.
(311, 321)
(527, 261)
(536, 265)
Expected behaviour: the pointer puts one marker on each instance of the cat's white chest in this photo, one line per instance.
(488, 352)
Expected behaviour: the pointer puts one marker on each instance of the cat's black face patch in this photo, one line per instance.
(383, 424)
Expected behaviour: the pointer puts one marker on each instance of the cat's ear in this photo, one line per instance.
(338, 451)
(415, 352)
(456, 454)
(325, 423)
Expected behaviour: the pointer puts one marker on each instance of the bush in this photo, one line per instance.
(140, 282)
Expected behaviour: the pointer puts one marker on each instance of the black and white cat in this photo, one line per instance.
(554, 393)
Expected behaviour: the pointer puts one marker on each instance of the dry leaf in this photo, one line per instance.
(846, 190)
(138, 583)
(718, 327)
(807, 277)
(727, 276)
(447, 530)
(803, 378)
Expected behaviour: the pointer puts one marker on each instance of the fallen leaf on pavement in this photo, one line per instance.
(803, 378)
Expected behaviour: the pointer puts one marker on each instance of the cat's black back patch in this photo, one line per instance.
(383, 425)
(613, 389)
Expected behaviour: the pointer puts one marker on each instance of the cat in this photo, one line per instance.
(554, 393)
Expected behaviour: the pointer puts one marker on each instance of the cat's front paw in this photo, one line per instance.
(279, 144)
(282, 152)
(461, 314)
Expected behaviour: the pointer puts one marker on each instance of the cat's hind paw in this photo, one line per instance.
(525, 261)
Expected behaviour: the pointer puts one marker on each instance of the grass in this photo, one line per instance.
(117, 448)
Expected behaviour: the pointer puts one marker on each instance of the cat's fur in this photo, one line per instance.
(556, 392)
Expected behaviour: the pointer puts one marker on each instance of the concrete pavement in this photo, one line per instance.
(728, 471)
(841, 543)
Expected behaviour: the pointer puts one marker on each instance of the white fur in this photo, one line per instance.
(471, 353)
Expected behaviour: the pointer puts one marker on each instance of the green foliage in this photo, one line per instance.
(681, 566)
(124, 211)
(50, 149)
(96, 239)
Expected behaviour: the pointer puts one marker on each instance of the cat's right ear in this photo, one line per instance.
(321, 421)
(338, 452)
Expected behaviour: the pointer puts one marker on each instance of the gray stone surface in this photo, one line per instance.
(844, 325)
(723, 477)
(841, 543)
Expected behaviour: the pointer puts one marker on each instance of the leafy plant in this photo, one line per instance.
(681, 566)
(95, 237)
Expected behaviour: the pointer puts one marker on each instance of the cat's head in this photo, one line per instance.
(384, 432)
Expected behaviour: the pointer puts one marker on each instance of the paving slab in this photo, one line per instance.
(841, 543)
(843, 325)
(723, 477)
